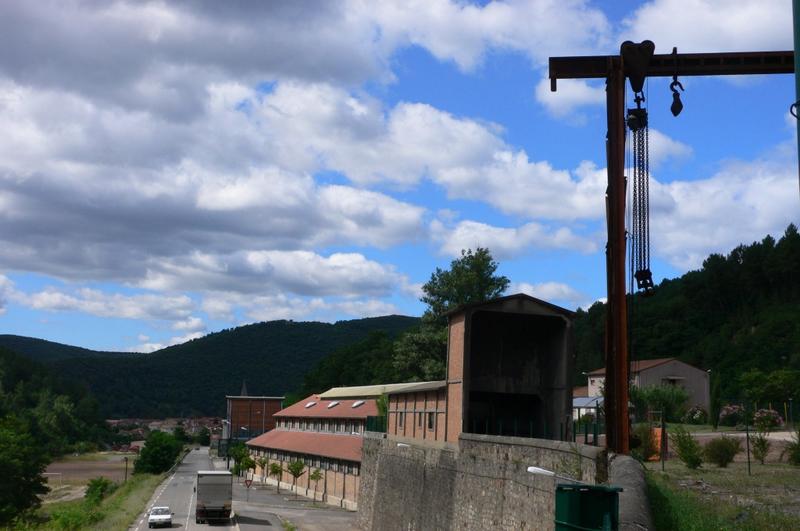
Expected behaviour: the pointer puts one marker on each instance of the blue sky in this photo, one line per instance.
(170, 170)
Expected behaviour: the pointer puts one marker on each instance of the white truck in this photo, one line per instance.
(214, 490)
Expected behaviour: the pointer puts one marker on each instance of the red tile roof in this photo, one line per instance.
(347, 447)
(320, 409)
(636, 366)
(580, 391)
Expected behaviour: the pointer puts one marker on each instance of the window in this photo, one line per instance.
(431, 420)
(419, 419)
(400, 418)
(310, 404)
(357, 403)
(333, 404)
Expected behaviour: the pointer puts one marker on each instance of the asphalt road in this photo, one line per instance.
(255, 508)
(177, 492)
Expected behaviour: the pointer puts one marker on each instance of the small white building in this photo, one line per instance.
(660, 371)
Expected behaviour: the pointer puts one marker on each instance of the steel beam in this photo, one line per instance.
(684, 64)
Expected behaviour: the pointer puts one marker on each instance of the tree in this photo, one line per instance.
(159, 453)
(22, 462)
(180, 434)
(296, 469)
(276, 470)
(470, 279)
(243, 465)
(262, 463)
(315, 476)
(203, 437)
(421, 354)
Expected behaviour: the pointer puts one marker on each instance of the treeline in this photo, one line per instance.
(41, 417)
(738, 316)
(193, 378)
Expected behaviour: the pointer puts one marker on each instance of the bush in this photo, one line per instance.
(731, 415)
(766, 419)
(722, 450)
(669, 399)
(643, 445)
(760, 445)
(159, 453)
(98, 489)
(792, 450)
(695, 415)
(688, 449)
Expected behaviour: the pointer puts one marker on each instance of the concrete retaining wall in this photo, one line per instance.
(481, 483)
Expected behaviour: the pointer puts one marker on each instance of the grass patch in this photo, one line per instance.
(714, 499)
(116, 512)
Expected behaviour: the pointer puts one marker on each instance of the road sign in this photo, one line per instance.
(248, 482)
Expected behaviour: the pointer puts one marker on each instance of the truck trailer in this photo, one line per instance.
(214, 490)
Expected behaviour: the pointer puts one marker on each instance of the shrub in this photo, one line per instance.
(766, 419)
(587, 418)
(688, 449)
(731, 415)
(98, 489)
(792, 449)
(159, 453)
(645, 444)
(669, 399)
(760, 445)
(722, 450)
(695, 415)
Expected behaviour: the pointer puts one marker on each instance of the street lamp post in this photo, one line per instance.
(228, 446)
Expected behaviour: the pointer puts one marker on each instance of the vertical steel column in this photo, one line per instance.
(616, 382)
(796, 18)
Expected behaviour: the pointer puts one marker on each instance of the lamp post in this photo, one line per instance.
(228, 446)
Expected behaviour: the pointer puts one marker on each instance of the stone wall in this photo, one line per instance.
(481, 483)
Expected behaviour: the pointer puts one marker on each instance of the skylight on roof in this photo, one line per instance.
(333, 404)
(358, 403)
(310, 404)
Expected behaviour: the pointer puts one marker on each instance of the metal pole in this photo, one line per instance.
(126, 469)
(796, 18)
(663, 442)
(747, 437)
(616, 383)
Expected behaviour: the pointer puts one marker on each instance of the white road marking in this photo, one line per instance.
(189, 512)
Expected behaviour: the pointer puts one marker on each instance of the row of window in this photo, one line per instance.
(322, 425)
(311, 461)
(431, 419)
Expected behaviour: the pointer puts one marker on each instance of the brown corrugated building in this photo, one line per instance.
(249, 416)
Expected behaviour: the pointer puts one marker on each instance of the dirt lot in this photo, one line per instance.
(77, 470)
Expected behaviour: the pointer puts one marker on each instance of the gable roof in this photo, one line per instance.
(637, 366)
(337, 446)
(522, 297)
(367, 391)
(321, 408)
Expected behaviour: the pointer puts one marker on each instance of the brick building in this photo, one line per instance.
(323, 434)
(509, 364)
(249, 416)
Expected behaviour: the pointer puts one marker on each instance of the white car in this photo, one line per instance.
(159, 517)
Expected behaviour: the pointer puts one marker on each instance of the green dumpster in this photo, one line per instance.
(587, 507)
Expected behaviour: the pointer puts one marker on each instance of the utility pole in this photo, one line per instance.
(614, 70)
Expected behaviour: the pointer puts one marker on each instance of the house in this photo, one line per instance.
(508, 366)
(324, 431)
(660, 371)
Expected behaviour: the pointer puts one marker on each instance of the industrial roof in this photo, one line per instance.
(587, 402)
(347, 447)
(315, 406)
(420, 386)
(365, 391)
(516, 296)
(256, 397)
(636, 366)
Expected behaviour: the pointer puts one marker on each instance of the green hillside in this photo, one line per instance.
(739, 313)
(46, 351)
(194, 377)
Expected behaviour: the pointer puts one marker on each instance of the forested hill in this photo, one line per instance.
(45, 351)
(740, 312)
(193, 378)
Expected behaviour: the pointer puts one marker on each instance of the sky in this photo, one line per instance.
(171, 169)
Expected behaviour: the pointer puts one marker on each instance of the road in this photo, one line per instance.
(256, 508)
(177, 492)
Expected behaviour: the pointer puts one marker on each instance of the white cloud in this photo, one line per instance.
(554, 292)
(101, 304)
(663, 148)
(571, 94)
(190, 324)
(464, 33)
(506, 242)
(6, 288)
(712, 25)
(739, 204)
